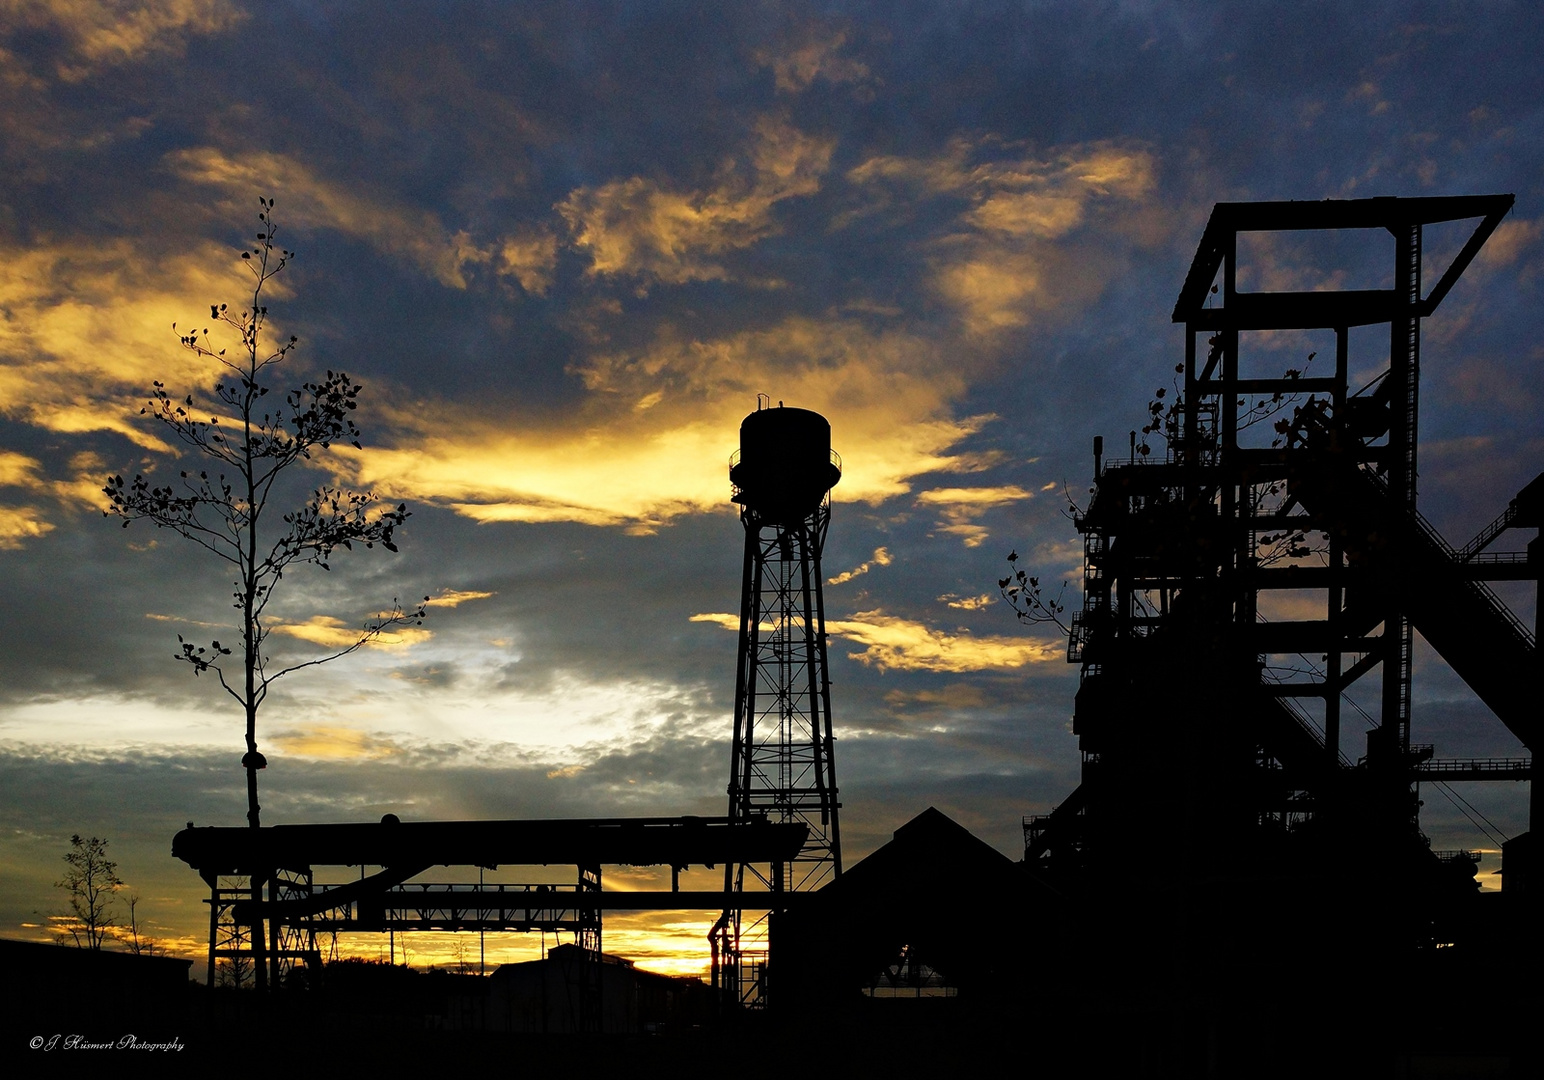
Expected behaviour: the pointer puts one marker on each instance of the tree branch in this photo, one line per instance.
(396, 617)
(1025, 596)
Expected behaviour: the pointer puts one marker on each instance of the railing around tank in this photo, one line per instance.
(835, 459)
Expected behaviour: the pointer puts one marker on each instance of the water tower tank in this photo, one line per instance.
(785, 465)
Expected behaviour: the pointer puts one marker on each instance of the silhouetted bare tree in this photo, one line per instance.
(92, 883)
(236, 971)
(224, 506)
(247, 453)
(139, 944)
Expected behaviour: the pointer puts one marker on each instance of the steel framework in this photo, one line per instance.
(276, 865)
(1244, 585)
(782, 767)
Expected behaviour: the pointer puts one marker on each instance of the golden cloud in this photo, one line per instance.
(962, 507)
(893, 643)
(816, 56)
(308, 200)
(456, 597)
(886, 394)
(157, 617)
(881, 557)
(905, 645)
(88, 324)
(332, 633)
(18, 524)
(18, 470)
(641, 228)
(530, 258)
(86, 327)
(487, 472)
(331, 743)
(967, 603)
(973, 497)
(1028, 213)
(728, 622)
(114, 31)
(84, 488)
(995, 289)
(1007, 257)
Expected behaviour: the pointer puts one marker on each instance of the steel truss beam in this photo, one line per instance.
(276, 864)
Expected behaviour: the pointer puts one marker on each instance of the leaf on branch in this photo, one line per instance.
(1030, 605)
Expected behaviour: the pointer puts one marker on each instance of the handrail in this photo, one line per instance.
(1438, 766)
(1497, 558)
(1479, 588)
(834, 458)
(1483, 538)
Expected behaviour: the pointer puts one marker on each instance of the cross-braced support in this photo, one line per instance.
(782, 767)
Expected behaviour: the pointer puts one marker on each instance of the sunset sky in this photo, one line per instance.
(563, 246)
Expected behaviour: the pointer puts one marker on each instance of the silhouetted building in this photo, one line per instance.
(543, 997)
(936, 917)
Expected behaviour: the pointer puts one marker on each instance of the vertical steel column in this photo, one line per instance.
(213, 881)
(1336, 598)
(1404, 385)
(589, 941)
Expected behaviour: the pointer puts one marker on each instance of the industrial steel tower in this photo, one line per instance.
(1255, 588)
(782, 768)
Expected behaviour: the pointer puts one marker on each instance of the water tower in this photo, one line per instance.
(782, 768)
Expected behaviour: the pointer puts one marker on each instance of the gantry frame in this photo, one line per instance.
(278, 864)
